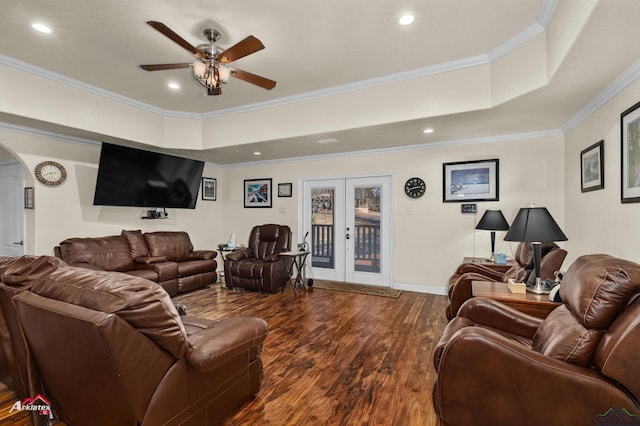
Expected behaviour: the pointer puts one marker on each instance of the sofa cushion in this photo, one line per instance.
(110, 253)
(137, 243)
(28, 268)
(141, 303)
(561, 336)
(176, 246)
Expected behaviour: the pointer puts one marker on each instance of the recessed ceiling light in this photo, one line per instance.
(327, 141)
(428, 130)
(406, 19)
(173, 85)
(41, 27)
(257, 153)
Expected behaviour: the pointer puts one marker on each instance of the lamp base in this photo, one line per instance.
(538, 288)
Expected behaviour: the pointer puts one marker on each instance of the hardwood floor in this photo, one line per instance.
(335, 358)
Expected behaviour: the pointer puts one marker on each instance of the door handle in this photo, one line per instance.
(18, 243)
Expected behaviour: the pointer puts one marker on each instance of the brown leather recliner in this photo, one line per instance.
(579, 366)
(258, 266)
(112, 349)
(460, 289)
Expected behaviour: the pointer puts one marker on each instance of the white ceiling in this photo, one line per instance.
(313, 47)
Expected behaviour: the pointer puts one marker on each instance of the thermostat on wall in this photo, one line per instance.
(468, 208)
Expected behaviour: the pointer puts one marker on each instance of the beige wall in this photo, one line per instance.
(431, 237)
(597, 222)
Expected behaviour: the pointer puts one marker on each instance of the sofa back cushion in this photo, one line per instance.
(109, 253)
(598, 287)
(175, 246)
(561, 336)
(137, 243)
(143, 304)
(270, 239)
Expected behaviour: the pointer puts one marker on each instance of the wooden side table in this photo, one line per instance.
(537, 305)
(486, 262)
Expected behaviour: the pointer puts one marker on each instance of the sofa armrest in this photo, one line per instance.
(166, 270)
(223, 340)
(494, 272)
(147, 260)
(244, 253)
(203, 254)
(490, 313)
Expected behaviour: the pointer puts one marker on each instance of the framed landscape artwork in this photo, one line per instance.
(470, 181)
(257, 193)
(209, 189)
(592, 167)
(630, 167)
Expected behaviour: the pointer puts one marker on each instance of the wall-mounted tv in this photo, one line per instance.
(138, 178)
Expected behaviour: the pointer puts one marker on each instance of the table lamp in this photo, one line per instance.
(493, 220)
(535, 225)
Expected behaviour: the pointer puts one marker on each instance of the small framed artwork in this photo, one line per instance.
(285, 189)
(466, 181)
(28, 197)
(209, 189)
(592, 167)
(630, 150)
(257, 193)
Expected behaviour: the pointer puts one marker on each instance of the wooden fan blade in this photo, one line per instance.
(239, 50)
(160, 67)
(168, 32)
(254, 79)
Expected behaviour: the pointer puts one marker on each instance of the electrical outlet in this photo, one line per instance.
(468, 208)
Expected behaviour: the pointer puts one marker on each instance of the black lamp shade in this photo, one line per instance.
(493, 220)
(534, 224)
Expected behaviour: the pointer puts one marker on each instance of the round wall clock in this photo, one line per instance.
(51, 173)
(415, 187)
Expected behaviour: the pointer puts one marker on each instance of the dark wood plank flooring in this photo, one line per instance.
(335, 358)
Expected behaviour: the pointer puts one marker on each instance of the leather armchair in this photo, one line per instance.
(258, 266)
(460, 290)
(496, 365)
(112, 349)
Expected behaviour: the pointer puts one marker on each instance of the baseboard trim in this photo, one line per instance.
(416, 288)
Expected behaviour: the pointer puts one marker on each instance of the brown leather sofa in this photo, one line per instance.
(579, 366)
(258, 266)
(460, 289)
(110, 348)
(167, 258)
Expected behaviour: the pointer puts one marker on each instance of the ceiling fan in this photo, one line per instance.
(210, 68)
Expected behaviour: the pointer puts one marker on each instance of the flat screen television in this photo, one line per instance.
(138, 178)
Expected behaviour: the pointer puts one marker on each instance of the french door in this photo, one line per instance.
(348, 228)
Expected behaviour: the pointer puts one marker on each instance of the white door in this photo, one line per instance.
(349, 229)
(11, 209)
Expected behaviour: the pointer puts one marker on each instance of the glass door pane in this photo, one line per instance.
(322, 227)
(366, 232)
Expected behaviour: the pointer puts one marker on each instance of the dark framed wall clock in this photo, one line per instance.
(415, 187)
(50, 173)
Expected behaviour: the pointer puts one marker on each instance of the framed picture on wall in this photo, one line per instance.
(466, 181)
(592, 167)
(285, 189)
(630, 150)
(209, 189)
(257, 192)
